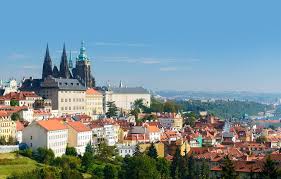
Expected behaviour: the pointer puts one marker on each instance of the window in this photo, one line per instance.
(30, 137)
(30, 144)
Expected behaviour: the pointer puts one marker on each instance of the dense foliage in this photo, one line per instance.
(225, 109)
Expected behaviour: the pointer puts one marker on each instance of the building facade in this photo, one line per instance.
(51, 134)
(94, 102)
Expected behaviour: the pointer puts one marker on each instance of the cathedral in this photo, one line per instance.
(81, 71)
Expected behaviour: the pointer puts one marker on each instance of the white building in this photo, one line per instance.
(105, 130)
(19, 129)
(51, 134)
(26, 114)
(8, 86)
(126, 149)
(124, 97)
(79, 135)
(154, 133)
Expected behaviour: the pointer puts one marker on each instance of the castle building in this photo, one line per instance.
(81, 72)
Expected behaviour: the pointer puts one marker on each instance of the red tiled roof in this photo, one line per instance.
(22, 95)
(78, 126)
(51, 125)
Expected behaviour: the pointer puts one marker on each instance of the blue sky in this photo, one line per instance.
(182, 45)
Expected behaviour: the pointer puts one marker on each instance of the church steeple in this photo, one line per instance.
(64, 70)
(47, 65)
(70, 63)
(82, 55)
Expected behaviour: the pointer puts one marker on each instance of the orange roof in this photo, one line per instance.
(19, 126)
(153, 129)
(92, 91)
(3, 114)
(78, 126)
(51, 125)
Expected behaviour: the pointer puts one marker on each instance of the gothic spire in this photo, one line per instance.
(64, 70)
(47, 65)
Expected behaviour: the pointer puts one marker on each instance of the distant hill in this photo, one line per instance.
(225, 109)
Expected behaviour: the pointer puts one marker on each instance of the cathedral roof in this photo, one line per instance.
(63, 84)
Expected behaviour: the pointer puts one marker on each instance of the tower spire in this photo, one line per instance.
(47, 65)
(64, 70)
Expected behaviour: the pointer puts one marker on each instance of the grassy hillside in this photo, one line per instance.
(10, 162)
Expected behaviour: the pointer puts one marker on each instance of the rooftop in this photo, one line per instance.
(51, 125)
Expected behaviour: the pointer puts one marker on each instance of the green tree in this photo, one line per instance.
(140, 167)
(110, 172)
(67, 161)
(44, 155)
(89, 148)
(71, 151)
(152, 152)
(112, 109)
(14, 103)
(105, 153)
(176, 163)
(87, 160)
(270, 169)
(204, 170)
(228, 170)
(68, 173)
(169, 106)
(98, 172)
(137, 150)
(190, 118)
(15, 117)
(163, 166)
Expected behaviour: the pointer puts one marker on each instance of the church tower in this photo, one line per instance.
(47, 65)
(82, 70)
(64, 69)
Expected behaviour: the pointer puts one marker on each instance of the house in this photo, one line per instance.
(154, 133)
(26, 114)
(126, 149)
(24, 98)
(171, 121)
(105, 130)
(51, 134)
(19, 129)
(79, 135)
(7, 126)
(137, 134)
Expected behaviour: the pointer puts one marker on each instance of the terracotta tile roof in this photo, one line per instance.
(92, 91)
(4, 114)
(22, 95)
(153, 129)
(51, 125)
(19, 126)
(79, 126)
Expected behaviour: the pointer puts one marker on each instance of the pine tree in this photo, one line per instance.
(152, 152)
(175, 166)
(204, 170)
(112, 109)
(228, 170)
(137, 150)
(89, 148)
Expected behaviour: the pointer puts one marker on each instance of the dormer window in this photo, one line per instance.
(65, 83)
(60, 83)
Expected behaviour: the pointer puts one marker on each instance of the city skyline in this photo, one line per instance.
(210, 46)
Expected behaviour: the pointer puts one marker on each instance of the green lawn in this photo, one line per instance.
(10, 163)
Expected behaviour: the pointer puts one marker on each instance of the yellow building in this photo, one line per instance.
(159, 147)
(7, 126)
(94, 102)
